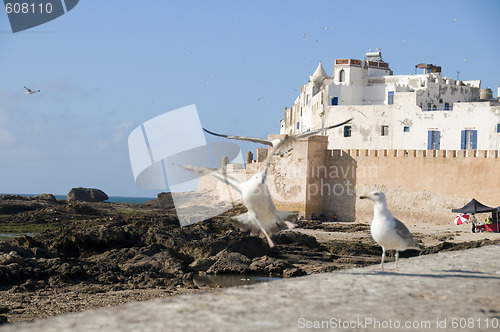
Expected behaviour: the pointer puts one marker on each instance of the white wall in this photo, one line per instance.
(367, 104)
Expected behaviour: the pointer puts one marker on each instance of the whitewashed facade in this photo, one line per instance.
(421, 111)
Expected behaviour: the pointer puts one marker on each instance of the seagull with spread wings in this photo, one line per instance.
(262, 216)
(285, 146)
(30, 92)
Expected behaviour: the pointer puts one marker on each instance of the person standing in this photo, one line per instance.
(473, 220)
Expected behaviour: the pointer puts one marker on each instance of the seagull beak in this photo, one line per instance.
(364, 197)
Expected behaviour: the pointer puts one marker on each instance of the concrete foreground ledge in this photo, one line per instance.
(451, 291)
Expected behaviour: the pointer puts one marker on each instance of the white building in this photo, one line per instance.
(421, 111)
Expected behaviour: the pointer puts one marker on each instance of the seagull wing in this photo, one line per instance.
(205, 171)
(284, 143)
(29, 90)
(317, 131)
(242, 138)
(405, 233)
(245, 223)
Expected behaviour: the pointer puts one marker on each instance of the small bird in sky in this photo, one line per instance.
(386, 230)
(30, 92)
(284, 147)
(260, 98)
(262, 216)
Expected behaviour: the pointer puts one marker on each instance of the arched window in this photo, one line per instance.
(342, 76)
(434, 107)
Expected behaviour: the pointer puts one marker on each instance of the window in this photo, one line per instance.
(385, 130)
(390, 98)
(498, 127)
(434, 107)
(347, 131)
(298, 123)
(335, 101)
(429, 106)
(468, 140)
(446, 106)
(342, 76)
(440, 100)
(433, 138)
(406, 129)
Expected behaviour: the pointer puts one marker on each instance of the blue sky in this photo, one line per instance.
(105, 67)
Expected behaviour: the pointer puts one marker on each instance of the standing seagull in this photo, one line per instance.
(30, 92)
(286, 146)
(262, 215)
(386, 230)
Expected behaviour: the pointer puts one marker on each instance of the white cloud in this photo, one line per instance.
(122, 131)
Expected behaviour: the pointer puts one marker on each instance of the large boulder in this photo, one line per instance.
(86, 195)
(164, 201)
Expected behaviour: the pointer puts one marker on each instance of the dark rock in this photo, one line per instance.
(86, 195)
(13, 204)
(3, 319)
(96, 239)
(26, 241)
(293, 272)
(155, 259)
(250, 246)
(201, 264)
(269, 265)
(47, 197)
(164, 201)
(6, 247)
(285, 238)
(43, 253)
(229, 262)
(81, 208)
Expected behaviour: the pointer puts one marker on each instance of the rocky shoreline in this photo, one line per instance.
(104, 254)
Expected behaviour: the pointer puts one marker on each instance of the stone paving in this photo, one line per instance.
(449, 291)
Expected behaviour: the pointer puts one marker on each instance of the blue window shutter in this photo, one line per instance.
(298, 125)
(438, 137)
(474, 140)
(462, 140)
(429, 140)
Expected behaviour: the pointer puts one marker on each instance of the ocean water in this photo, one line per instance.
(112, 199)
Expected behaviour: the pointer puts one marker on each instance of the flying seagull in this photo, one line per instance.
(262, 216)
(285, 146)
(30, 92)
(386, 230)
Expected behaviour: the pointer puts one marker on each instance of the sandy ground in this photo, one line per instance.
(428, 234)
